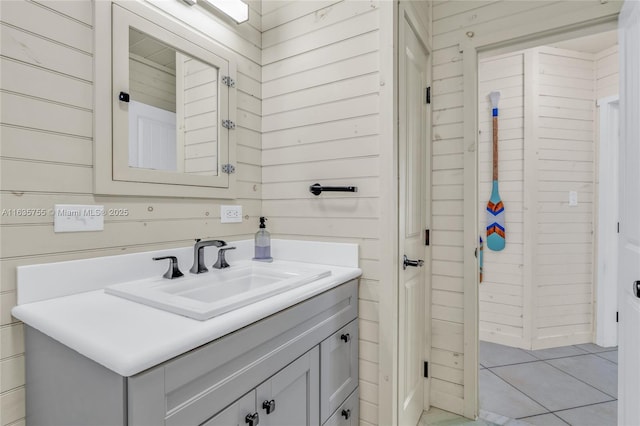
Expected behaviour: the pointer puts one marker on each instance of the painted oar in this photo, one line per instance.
(495, 208)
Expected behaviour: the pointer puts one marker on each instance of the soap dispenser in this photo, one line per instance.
(263, 243)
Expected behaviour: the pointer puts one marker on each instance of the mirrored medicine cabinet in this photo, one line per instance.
(164, 106)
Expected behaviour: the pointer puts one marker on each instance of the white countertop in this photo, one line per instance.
(128, 337)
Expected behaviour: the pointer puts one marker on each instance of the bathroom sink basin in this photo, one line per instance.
(216, 292)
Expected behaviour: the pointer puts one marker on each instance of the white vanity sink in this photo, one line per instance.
(210, 294)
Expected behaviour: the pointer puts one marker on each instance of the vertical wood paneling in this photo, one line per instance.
(320, 124)
(47, 131)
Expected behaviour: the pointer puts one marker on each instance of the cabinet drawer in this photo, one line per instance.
(348, 414)
(339, 367)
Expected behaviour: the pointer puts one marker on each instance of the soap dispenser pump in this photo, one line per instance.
(263, 243)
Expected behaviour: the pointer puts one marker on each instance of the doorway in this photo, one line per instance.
(540, 296)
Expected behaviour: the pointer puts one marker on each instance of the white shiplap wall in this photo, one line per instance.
(46, 158)
(563, 259)
(559, 147)
(501, 292)
(152, 85)
(321, 123)
(487, 22)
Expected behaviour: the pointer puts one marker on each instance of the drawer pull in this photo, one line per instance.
(270, 406)
(252, 419)
(346, 337)
(346, 414)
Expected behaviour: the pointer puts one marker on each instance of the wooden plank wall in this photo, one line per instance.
(321, 123)
(502, 292)
(152, 85)
(46, 158)
(565, 161)
(607, 72)
(453, 23)
(200, 116)
(565, 87)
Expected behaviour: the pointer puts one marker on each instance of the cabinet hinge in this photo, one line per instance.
(427, 237)
(426, 369)
(228, 168)
(228, 81)
(428, 95)
(228, 124)
(617, 316)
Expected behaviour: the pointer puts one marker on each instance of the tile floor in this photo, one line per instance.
(570, 385)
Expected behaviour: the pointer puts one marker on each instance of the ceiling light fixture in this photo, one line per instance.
(236, 9)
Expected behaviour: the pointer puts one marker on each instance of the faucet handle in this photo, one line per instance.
(222, 262)
(173, 271)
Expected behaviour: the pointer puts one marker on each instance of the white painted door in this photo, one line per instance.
(413, 126)
(629, 240)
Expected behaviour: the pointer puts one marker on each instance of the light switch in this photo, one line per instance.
(573, 198)
(77, 218)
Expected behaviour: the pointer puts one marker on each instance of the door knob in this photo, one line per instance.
(408, 262)
(636, 288)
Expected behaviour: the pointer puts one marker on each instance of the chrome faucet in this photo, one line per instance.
(198, 254)
(222, 262)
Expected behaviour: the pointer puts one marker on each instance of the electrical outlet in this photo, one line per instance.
(231, 214)
(77, 218)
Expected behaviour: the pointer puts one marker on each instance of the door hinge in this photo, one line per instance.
(617, 317)
(228, 168)
(426, 237)
(228, 81)
(228, 124)
(426, 369)
(428, 95)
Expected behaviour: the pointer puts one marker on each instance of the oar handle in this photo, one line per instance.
(495, 144)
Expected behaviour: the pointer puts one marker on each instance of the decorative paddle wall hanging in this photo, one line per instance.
(495, 208)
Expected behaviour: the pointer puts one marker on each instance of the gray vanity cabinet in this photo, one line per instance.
(236, 413)
(339, 360)
(296, 367)
(290, 397)
(347, 414)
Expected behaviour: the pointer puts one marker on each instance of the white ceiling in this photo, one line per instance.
(590, 44)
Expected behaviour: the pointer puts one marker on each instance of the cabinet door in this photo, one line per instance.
(348, 414)
(291, 396)
(236, 414)
(339, 361)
